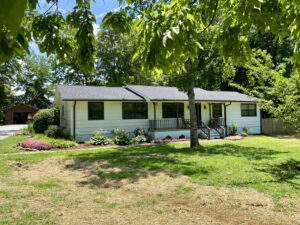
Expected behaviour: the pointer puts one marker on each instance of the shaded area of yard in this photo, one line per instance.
(235, 180)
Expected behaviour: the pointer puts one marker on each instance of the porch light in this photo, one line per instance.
(204, 107)
(29, 117)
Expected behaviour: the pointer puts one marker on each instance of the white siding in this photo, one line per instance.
(234, 117)
(113, 119)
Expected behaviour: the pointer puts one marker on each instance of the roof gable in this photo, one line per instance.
(74, 92)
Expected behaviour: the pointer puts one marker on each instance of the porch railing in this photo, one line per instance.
(169, 124)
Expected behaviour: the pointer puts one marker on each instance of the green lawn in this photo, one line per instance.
(145, 182)
(269, 165)
(7, 144)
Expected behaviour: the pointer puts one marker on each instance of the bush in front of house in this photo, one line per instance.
(201, 135)
(56, 143)
(244, 134)
(121, 137)
(139, 131)
(247, 130)
(99, 139)
(36, 144)
(139, 139)
(55, 131)
(142, 132)
(168, 137)
(44, 118)
(182, 136)
(233, 130)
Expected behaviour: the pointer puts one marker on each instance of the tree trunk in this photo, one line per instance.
(192, 106)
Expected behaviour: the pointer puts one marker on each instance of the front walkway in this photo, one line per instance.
(8, 130)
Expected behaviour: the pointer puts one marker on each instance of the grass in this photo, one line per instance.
(7, 144)
(114, 179)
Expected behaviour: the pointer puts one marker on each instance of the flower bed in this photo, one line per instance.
(36, 144)
(18, 133)
(167, 140)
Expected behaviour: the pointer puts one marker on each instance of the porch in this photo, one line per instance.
(215, 128)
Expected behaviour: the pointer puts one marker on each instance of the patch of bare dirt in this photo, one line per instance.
(100, 193)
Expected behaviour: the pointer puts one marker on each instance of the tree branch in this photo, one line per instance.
(212, 19)
(49, 8)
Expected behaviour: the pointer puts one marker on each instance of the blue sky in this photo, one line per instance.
(99, 8)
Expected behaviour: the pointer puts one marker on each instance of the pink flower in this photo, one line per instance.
(18, 132)
(36, 144)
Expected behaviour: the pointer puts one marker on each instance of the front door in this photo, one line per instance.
(198, 113)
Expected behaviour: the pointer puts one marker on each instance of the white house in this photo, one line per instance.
(163, 111)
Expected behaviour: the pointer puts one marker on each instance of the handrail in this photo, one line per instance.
(205, 129)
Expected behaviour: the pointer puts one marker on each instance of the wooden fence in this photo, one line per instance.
(272, 126)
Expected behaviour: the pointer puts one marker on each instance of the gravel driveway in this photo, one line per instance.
(8, 130)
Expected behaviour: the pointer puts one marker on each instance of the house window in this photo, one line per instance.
(62, 111)
(173, 110)
(217, 110)
(248, 109)
(96, 110)
(135, 110)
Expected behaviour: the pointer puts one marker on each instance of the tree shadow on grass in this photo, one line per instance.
(134, 163)
(284, 172)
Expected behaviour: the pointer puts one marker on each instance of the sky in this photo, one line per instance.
(98, 8)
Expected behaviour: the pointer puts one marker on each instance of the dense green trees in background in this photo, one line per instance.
(250, 46)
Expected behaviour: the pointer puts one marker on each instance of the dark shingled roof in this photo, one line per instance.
(142, 93)
(172, 93)
(96, 93)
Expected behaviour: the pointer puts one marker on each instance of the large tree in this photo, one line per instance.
(114, 66)
(34, 81)
(168, 33)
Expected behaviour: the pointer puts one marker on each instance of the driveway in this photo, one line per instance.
(8, 130)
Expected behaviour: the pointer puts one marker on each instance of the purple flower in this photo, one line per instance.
(36, 144)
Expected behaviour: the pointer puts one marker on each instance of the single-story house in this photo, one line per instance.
(18, 114)
(163, 111)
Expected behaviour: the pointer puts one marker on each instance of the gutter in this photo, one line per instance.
(138, 93)
(74, 120)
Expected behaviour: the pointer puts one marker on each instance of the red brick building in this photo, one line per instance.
(18, 114)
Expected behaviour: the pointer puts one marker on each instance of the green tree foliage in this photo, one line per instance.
(168, 33)
(20, 23)
(114, 65)
(34, 80)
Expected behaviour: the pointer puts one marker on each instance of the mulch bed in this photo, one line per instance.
(82, 146)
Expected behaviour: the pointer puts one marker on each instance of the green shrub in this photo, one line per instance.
(56, 143)
(233, 129)
(201, 135)
(28, 130)
(44, 118)
(121, 137)
(55, 131)
(168, 137)
(99, 139)
(247, 130)
(25, 131)
(139, 131)
(181, 136)
(244, 134)
(139, 139)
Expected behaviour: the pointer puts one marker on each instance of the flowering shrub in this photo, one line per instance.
(17, 133)
(167, 140)
(36, 144)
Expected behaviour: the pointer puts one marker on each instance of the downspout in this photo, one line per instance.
(74, 120)
(209, 107)
(154, 104)
(225, 117)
